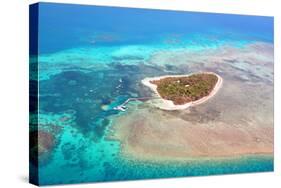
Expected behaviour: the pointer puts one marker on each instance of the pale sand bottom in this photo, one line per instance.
(226, 126)
(174, 138)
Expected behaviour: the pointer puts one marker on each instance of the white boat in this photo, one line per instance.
(121, 108)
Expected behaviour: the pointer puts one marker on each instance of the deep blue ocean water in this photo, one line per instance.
(82, 47)
(67, 26)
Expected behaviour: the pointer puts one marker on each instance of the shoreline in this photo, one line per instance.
(168, 104)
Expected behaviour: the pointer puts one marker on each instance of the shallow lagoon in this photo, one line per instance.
(82, 80)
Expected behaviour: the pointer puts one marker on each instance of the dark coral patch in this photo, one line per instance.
(42, 144)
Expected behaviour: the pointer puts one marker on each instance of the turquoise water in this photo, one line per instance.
(92, 59)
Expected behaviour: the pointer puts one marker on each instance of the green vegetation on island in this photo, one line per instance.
(182, 90)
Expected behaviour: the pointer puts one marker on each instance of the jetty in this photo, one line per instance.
(122, 107)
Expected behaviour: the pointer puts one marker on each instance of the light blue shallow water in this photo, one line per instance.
(91, 59)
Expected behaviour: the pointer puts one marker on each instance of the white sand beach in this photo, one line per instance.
(168, 104)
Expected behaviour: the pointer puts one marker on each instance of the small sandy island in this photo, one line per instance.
(179, 92)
